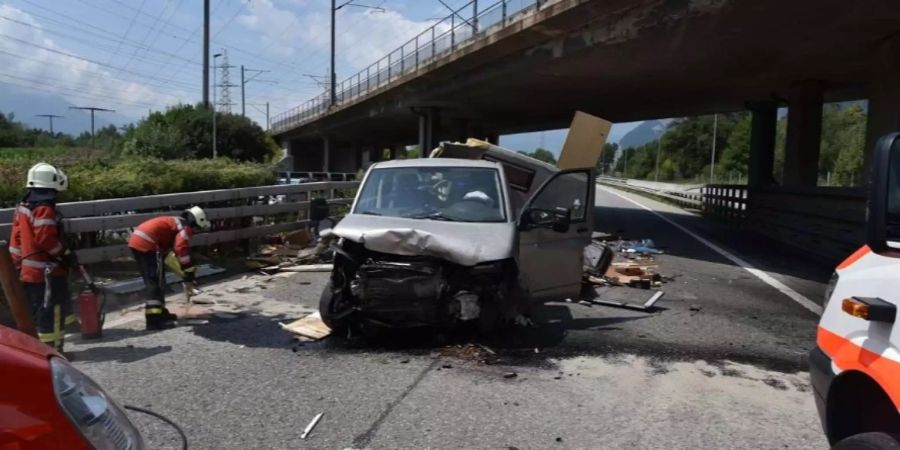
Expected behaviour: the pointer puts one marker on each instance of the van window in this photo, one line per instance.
(566, 191)
(461, 194)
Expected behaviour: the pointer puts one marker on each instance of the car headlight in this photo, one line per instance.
(829, 288)
(99, 419)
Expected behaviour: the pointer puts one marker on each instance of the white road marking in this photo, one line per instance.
(765, 277)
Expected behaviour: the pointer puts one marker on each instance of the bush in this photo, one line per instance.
(95, 174)
(185, 131)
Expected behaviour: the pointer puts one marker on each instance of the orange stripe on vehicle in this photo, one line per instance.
(859, 253)
(849, 356)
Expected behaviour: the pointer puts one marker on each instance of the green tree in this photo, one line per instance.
(736, 154)
(185, 131)
(607, 158)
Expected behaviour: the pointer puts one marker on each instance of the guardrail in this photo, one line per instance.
(725, 201)
(448, 34)
(685, 199)
(308, 177)
(231, 211)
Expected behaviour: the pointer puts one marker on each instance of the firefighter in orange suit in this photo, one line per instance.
(38, 252)
(150, 243)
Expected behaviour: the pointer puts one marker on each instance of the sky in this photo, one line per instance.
(136, 56)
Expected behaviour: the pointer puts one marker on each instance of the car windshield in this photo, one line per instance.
(459, 194)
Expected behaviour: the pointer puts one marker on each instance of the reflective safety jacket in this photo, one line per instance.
(162, 234)
(35, 243)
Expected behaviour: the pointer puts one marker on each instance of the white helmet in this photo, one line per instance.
(199, 217)
(43, 175)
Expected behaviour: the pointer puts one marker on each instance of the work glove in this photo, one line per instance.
(69, 259)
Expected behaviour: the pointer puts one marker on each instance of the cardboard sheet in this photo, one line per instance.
(584, 143)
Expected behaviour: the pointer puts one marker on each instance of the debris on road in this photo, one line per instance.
(638, 270)
(290, 249)
(510, 375)
(311, 425)
(640, 247)
(641, 307)
(471, 352)
(311, 327)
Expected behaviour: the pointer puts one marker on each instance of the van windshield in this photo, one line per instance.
(459, 194)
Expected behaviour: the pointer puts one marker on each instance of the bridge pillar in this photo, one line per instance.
(762, 143)
(804, 134)
(429, 130)
(326, 153)
(884, 96)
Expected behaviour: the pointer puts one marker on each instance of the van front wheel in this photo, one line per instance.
(869, 441)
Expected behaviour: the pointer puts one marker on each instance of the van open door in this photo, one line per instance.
(554, 227)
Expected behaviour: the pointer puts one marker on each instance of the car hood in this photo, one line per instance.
(464, 243)
(17, 340)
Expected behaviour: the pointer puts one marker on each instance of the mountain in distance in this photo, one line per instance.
(641, 134)
(27, 105)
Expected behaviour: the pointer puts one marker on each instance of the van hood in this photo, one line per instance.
(463, 243)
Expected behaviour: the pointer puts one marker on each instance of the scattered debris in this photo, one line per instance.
(311, 425)
(641, 247)
(695, 308)
(404, 361)
(596, 258)
(447, 366)
(510, 375)
(471, 352)
(646, 306)
(310, 326)
(307, 268)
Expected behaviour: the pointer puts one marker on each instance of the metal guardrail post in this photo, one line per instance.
(474, 17)
(433, 43)
(368, 77)
(389, 67)
(417, 52)
(402, 59)
(503, 14)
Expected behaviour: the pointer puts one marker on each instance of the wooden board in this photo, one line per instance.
(310, 326)
(584, 143)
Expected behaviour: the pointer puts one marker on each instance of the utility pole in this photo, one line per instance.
(267, 116)
(92, 109)
(49, 116)
(333, 87)
(206, 54)
(244, 82)
(334, 10)
(225, 99)
(712, 162)
(214, 141)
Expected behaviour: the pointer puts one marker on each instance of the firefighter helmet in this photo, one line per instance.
(43, 175)
(196, 215)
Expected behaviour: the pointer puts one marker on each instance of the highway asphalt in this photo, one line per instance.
(720, 364)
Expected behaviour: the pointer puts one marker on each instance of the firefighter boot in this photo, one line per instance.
(158, 318)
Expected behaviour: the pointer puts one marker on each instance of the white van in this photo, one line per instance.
(855, 367)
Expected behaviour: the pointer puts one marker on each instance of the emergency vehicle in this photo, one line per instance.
(855, 367)
(46, 403)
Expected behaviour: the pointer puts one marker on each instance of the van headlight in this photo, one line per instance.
(99, 419)
(829, 288)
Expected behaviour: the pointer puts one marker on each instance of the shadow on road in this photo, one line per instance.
(121, 354)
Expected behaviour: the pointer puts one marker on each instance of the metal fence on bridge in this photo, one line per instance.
(465, 25)
(236, 214)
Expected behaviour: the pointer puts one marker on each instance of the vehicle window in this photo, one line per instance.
(568, 191)
(460, 194)
(893, 199)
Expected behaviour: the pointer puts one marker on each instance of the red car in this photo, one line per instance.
(45, 403)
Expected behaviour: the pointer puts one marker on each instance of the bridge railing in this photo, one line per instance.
(236, 214)
(446, 35)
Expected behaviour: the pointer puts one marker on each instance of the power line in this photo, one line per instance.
(73, 91)
(70, 55)
(127, 30)
(93, 44)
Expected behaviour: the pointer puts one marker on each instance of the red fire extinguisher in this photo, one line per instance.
(90, 309)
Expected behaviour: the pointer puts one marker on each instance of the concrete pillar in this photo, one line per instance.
(429, 130)
(762, 143)
(326, 154)
(804, 134)
(884, 96)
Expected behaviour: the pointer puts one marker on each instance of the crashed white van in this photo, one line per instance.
(444, 240)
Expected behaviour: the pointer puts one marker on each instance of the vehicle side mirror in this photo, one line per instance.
(883, 221)
(557, 220)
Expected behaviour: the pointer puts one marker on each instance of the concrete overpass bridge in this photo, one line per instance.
(516, 66)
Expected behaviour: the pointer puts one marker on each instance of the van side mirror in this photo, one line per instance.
(883, 221)
(557, 220)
